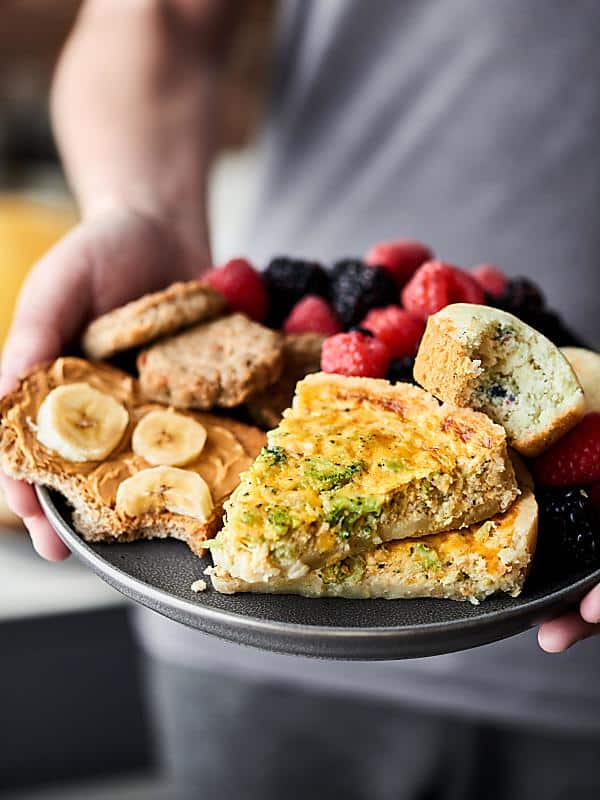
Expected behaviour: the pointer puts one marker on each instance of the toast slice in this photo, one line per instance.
(91, 487)
(356, 462)
(471, 564)
(220, 363)
(483, 358)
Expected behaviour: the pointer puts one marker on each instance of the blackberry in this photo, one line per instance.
(553, 328)
(287, 281)
(569, 526)
(521, 298)
(357, 288)
(400, 370)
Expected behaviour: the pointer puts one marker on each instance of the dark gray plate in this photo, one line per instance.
(159, 575)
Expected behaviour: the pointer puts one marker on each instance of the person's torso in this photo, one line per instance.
(471, 125)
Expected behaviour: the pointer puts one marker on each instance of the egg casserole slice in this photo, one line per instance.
(356, 462)
(470, 564)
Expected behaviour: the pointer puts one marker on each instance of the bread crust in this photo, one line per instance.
(150, 317)
(448, 366)
(90, 487)
(219, 363)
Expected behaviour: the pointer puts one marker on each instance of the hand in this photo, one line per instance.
(107, 260)
(559, 634)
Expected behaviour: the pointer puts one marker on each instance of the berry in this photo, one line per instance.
(288, 280)
(312, 314)
(491, 279)
(594, 493)
(522, 298)
(573, 459)
(355, 354)
(435, 285)
(357, 288)
(401, 258)
(466, 289)
(400, 330)
(570, 526)
(552, 327)
(400, 370)
(242, 286)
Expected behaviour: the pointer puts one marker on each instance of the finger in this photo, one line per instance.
(52, 305)
(25, 348)
(45, 541)
(20, 497)
(590, 606)
(561, 633)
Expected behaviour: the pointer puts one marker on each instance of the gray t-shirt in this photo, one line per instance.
(472, 125)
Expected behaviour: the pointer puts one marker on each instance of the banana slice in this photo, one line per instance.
(80, 423)
(165, 489)
(166, 437)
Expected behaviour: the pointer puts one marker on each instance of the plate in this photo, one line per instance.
(159, 575)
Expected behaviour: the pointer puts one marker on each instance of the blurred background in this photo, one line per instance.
(66, 731)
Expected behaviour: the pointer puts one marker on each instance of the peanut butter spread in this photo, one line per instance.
(230, 446)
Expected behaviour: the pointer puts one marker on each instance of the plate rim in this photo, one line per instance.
(102, 568)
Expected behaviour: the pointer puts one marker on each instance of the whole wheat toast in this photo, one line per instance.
(90, 487)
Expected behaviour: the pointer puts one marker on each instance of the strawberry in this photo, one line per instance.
(312, 314)
(491, 279)
(242, 285)
(400, 330)
(355, 353)
(574, 459)
(400, 258)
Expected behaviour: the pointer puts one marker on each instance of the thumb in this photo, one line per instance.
(50, 307)
(26, 347)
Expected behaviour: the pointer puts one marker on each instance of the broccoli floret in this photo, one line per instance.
(427, 555)
(351, 570)
(326, 475)
(273, 455)
(279, 519)
(345, 512)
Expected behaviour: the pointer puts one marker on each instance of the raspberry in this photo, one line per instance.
(491, 279)
(400, 330)
(401, 258)
(312, 314)
(400, 370)
(242, 286)
(357, 288)
(288, 280)
(435, 285)
(571, 527)
(355, 354)
(466, 289)
(429, 290)
(573, 459)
